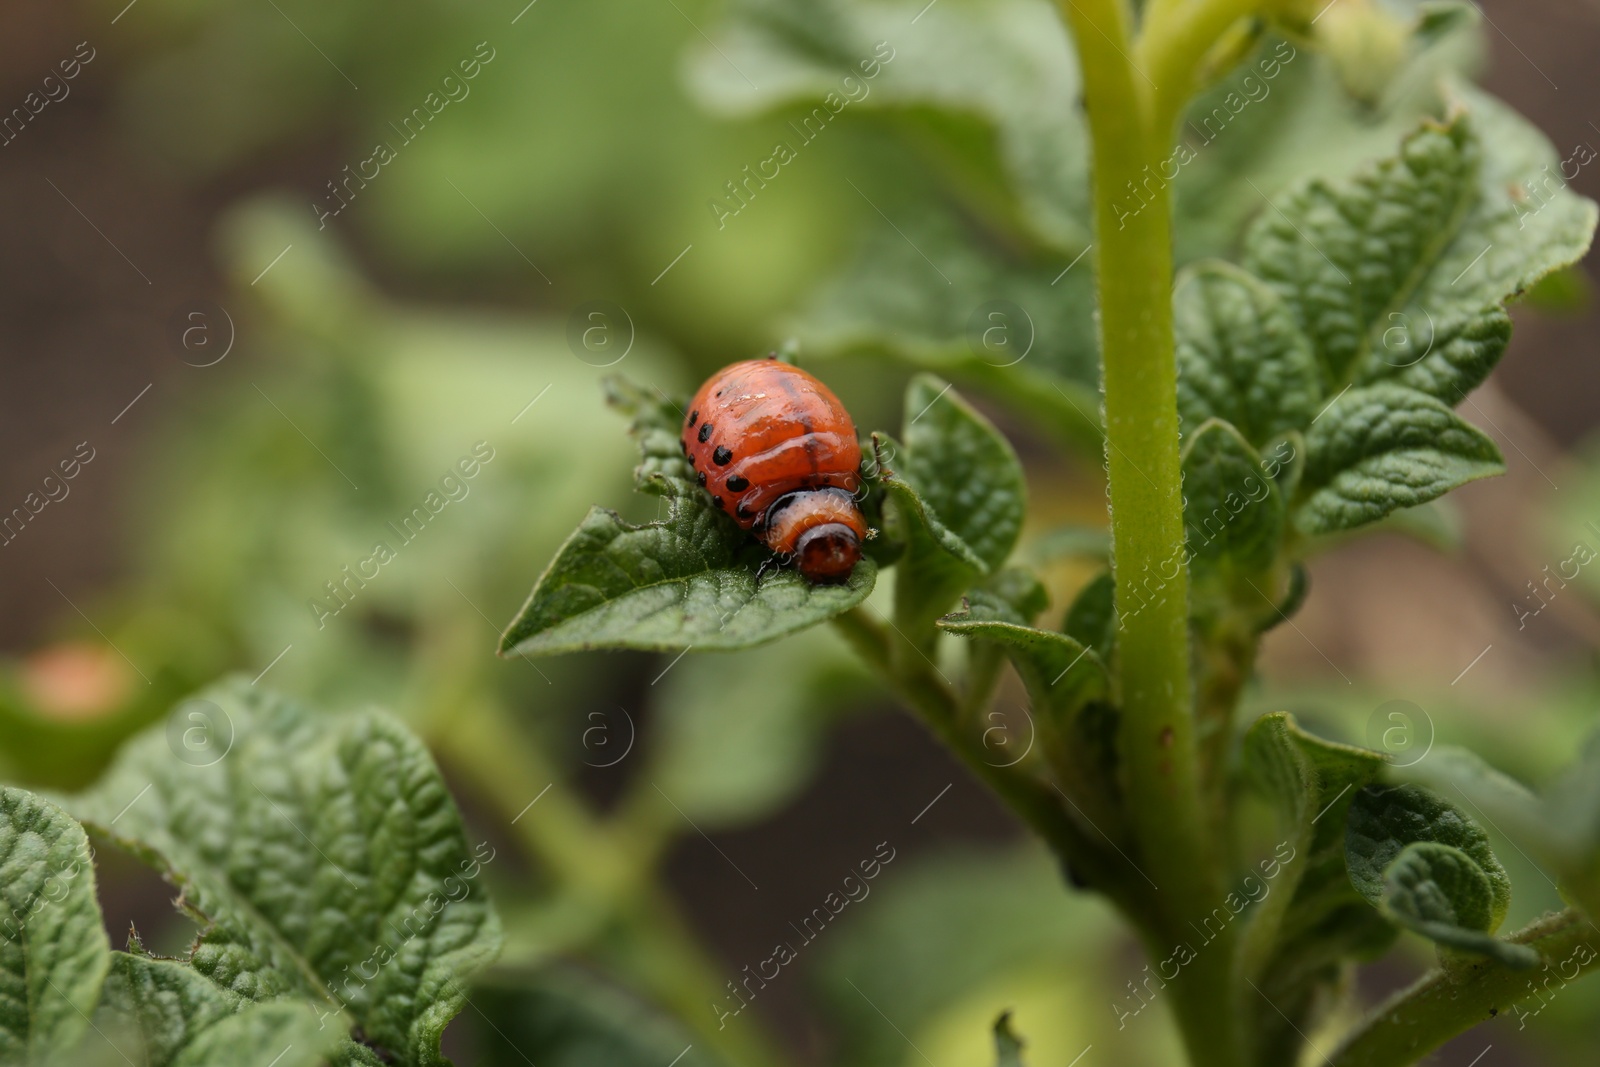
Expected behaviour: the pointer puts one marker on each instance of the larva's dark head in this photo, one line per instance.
(828, 553)
(821, 528)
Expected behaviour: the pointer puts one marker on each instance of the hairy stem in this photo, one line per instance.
(1174, 47)
(1447, 1002)
(1134, 92)
(1133, 249)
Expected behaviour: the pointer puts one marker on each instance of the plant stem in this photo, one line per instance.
(1173, 49)
(1447, 1002)
(1133, 245)
(1134, 92)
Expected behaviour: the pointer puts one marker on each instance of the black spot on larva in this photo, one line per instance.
(705, 433)
(694, 417)
(722, 457)
(738, 483)
(683, 445)
(701, 478)
(741, 512)
(692, 464)
(717, 500)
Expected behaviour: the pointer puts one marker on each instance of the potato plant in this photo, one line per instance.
(1255, 406)
(1264, 249)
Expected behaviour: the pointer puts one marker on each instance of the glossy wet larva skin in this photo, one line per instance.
(776, 450)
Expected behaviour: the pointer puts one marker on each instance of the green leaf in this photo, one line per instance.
(1345, 256)
(1385, 447)
(1092, 617)
(1285, 463)
(965, 471)
(1073, 541)
(153, 1008)
(1560, 829)
(1384, 819)
(1241, 357)
(281, 1034)
(664, 586)
(958, 500)
(1233, 513)
(1061, 674)
(53, 948)
(1001, 127)
(1067, 687)
(1536, 224)
(162, 1013)
(1006, 66)
(1311, 782)
(1021, 330)
(1573, 801)
(1398, 274)
(313, 850)
(687, 581)
(1508, 804)
(1311, 921)
(1282, 117)
(1428, 889)
(1439, 892)
(1013, 594)
(1007, 1045)
(937, 565)
(915, 523)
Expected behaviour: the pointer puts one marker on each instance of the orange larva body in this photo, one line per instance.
(777, 451)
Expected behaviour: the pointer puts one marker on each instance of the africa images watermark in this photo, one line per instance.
(1554, 981)
(1251, 89)
(854, 90)
(810, 928)
(453, 487)
(52, 90)
(1255, 890)
(55, 491)
(1581, 556)
(53, 890)
(420, 922)
(1201, 530)
(1533, 195)
(454, 89)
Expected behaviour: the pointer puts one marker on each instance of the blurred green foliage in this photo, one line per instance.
(582, 162)
(571, 149)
